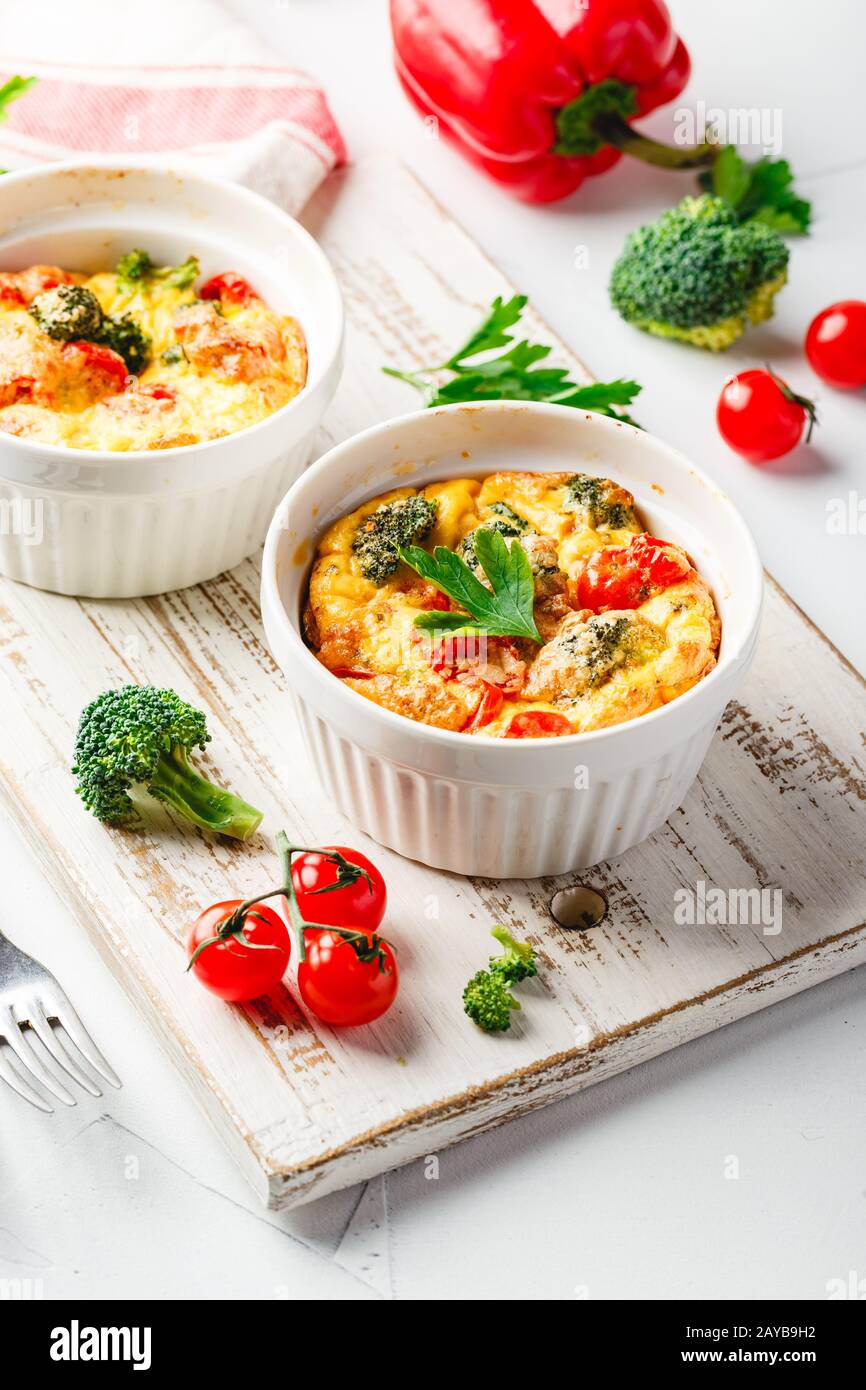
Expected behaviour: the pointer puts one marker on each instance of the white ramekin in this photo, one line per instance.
(116, 525)
(504, 808)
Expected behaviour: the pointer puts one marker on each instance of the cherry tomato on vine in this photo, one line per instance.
(227, 967)
(836, 344)
(342, 986)
(760, 417)
(348, 894)
(624, 576)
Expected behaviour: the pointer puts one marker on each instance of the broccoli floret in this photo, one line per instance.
(699, 274)
(608, 642)
(502, 524)
(378, 539)
(139, 735)
(602, 647)
(71, 312)
(600, 499)
(137, 265)
(181, 276)
(126, 337)
(540, 551)
(488, 1001)
(517, 961)
(68, 312)
(518, 522)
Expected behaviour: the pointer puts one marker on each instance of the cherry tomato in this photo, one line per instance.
(95, 357)
(451, 654)
(234, 971)
(435, 599)
(334, 896)
(22, 286)
(425, 594)
(354, 674)
(340, 988)
(760, 417)
(836, 344)
(24, 388)
(36, 279)
(624, 576)
(229, 288)
(489, 705)
(539, 723)
(477, 658)
(157, 392)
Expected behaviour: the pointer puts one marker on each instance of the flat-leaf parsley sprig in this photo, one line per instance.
(513, 375)
(503, 610)
(760, 191)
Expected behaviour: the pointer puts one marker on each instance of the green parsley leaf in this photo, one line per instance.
(491, 333)
(515, 375)
(11, 90)
(760, 191)
(503, 610)
(728, 178)
(599, 395)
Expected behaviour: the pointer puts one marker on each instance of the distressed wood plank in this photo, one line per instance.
(780, 804)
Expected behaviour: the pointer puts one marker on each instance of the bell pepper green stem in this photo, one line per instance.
(600, 116)
(616, 131)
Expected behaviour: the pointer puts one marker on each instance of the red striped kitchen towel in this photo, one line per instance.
(201, 87)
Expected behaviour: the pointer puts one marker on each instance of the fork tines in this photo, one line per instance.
(37, 1014)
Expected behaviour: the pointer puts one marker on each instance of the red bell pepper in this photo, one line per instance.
(540, 93)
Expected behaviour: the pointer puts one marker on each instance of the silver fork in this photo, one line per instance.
(31, 998)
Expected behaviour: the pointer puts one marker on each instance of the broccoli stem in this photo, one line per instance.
(177, 783)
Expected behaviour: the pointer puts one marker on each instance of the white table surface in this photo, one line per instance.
(730, 1167)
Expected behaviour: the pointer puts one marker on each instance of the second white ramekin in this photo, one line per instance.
(116, 525)
(503, 808)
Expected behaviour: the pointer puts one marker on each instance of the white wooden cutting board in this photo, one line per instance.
(780, 804)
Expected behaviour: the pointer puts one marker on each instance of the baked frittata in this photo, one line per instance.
(137, 358)
(627, 623)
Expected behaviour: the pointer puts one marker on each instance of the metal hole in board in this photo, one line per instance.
(579, 907)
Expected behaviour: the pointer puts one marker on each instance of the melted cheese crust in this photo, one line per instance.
(595, 670)
(237, 365)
